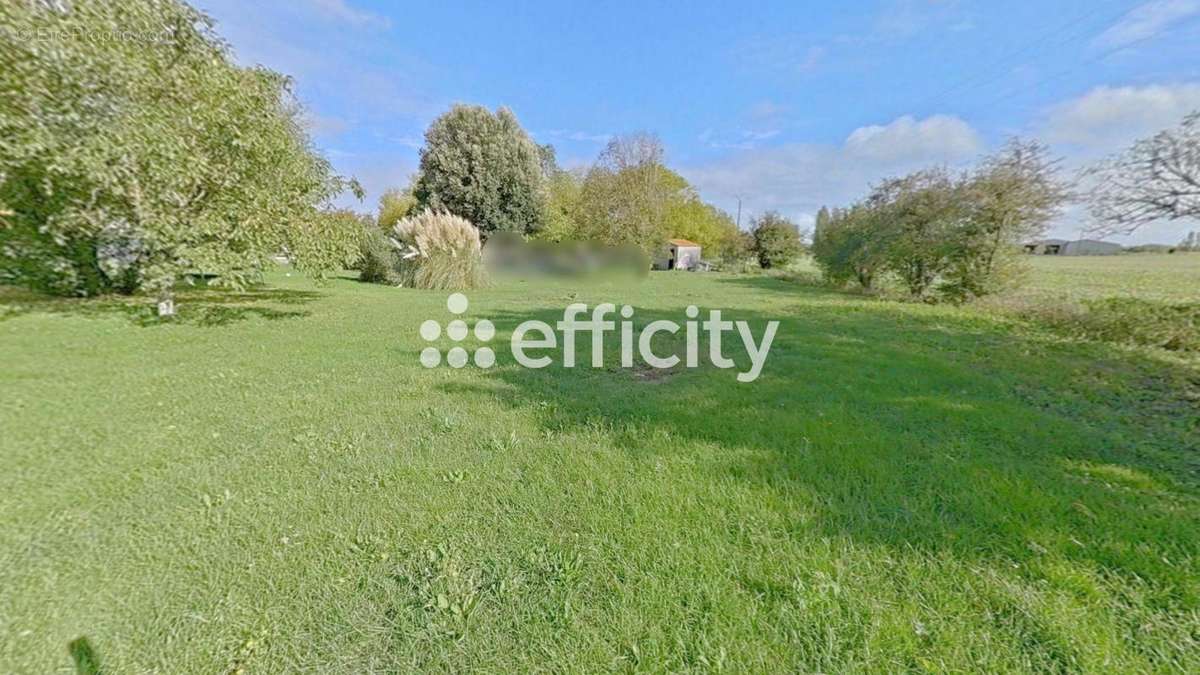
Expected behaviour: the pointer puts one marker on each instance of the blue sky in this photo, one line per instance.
(788, 105)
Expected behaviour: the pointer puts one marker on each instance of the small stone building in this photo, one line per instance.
(679, 254)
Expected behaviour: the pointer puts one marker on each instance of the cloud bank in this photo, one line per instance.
(797, 179)
(1109, 118)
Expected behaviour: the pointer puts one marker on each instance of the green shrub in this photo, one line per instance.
(395, 205)
(846, 247)
(379, 261)
(958, 235)
(776, 240)
(439, 250)
(1143, 322)
(1125, 320)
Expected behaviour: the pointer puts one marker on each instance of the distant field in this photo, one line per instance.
(1174, 277)
(1150, 276)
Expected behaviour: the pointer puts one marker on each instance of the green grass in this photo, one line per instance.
(1168, 277)
(273, 483)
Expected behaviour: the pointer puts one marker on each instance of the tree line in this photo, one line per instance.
(958, 236)
(128, 165)
(942, 234)
(482, 166)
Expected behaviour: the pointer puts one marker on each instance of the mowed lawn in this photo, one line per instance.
(273, 483)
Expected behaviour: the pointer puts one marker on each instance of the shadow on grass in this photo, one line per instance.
(914, 432)
(206, 307)
(808, 283)
(83, 655)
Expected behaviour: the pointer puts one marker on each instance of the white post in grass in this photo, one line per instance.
(166, 304)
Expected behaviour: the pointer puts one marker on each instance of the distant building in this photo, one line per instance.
(1091, 247)
(1078, 247)
(679, 254)
(1046, 247)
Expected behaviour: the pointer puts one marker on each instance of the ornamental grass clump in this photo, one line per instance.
(439, 251)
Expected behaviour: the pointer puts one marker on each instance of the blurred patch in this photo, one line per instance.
(508, 254)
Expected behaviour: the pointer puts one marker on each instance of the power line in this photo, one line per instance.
(975, 80)
(1063, 73)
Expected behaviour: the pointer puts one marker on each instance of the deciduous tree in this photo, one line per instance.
(915, 218)
(689, 217)
(395, 205)
(777, 240)
(128, 161)
(848, 245)
(627, 192)
(1010, 199)
(1157, 178)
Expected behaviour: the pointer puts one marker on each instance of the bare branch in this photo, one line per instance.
(1158, 178)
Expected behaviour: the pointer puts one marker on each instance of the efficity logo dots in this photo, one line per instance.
(457, 330)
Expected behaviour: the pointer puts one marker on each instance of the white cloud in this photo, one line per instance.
(907, 138)
(785, 54)
(744, 139)
(411, 142)
(1108, 118)
(797, 179)
(1146, 21)
(335, 67)
(766, 110)
(376, 172)
(324, 125)
(341, 10)
(579, 136)
(760, 135)
(903, 19)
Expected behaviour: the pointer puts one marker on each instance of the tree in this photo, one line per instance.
(627, 192)
(915, 217)
(737, 246)
(1011, 199)
(630, 197)
(1157, 178)
(395, 205)
(957, 234)
(482, 166)
(822, 219)
(688, 217)
(564, 189)
(777, 240)
(548, 160)
(1190, 243)
(847, 245)
(560, 219)
(127, 164)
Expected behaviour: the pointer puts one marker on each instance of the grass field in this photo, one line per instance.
(273, 483)
(1169, 277)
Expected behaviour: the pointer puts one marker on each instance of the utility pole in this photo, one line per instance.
(739, 215)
